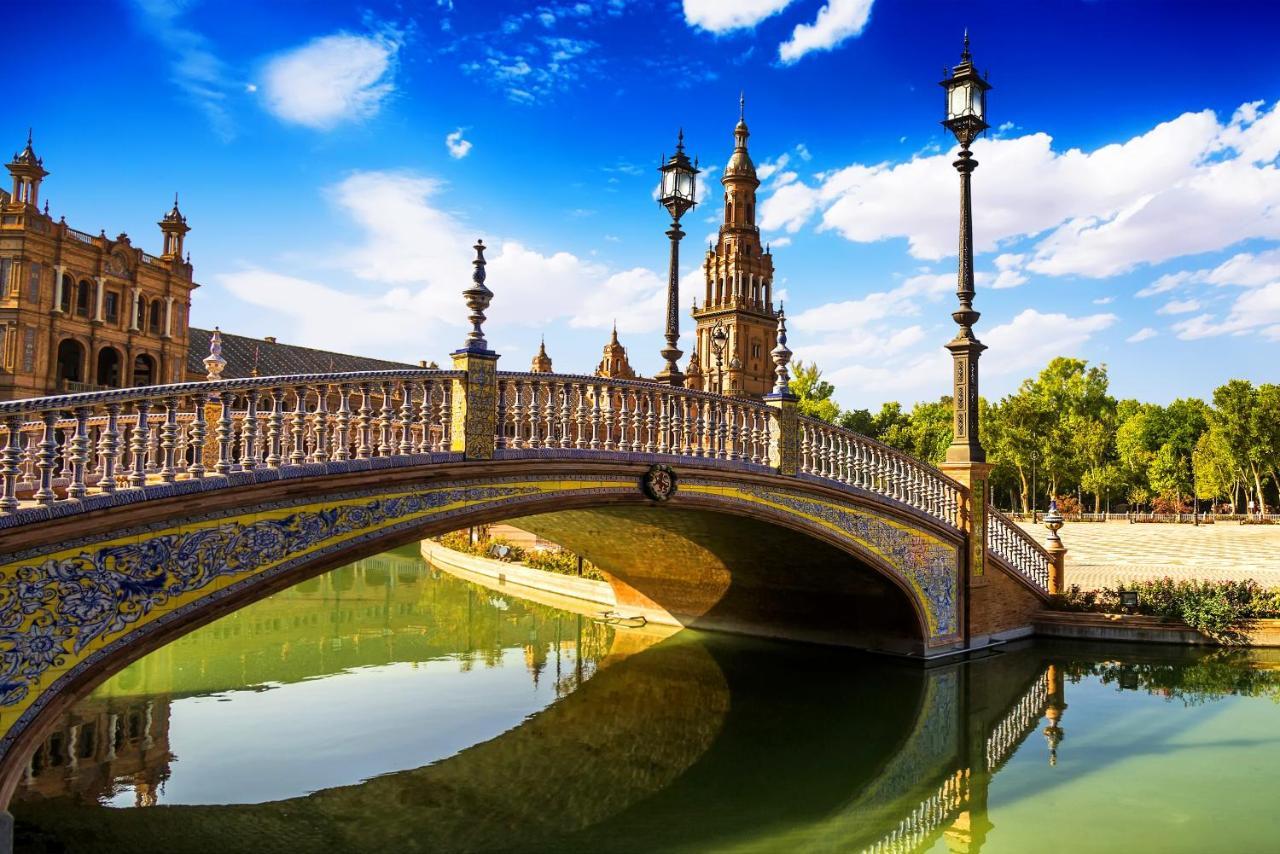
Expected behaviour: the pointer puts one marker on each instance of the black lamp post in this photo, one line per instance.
(677, 196)
(966, 118)
(718, 339)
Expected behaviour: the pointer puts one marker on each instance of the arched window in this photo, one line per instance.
(70, 362)
(144, 370)
(68, 288)
(109, 363)
(155, 319)
(84, 295)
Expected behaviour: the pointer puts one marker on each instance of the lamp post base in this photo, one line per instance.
(668, 377)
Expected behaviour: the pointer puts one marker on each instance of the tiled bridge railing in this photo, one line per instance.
(57, 451)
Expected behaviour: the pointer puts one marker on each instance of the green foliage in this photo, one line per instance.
(1062, 432)
(814, 392)
(563, 562)
(1217, 608)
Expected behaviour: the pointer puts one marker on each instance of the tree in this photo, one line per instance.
(814, 392)
(859, 421)
(1216, 473)
(1236, 414)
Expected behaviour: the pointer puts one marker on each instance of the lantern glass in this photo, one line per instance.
(684, 181)
(958, 101)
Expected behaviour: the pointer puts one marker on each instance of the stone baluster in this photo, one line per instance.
(724, 415)
(9, 464)
(108, 448)
(611, 419)
(385, 417)
(275, 429)
(342, 434)
(558, 404)
(664, 421)
(168, 441)
(319, 420)
(79, 444)
(533, 412)
(364, 419)
(581, 439)
(198, 438)
(153, 446)
(513, 402)
(501, 431)
(225, 437)
(426, 414)
(685, 435)
(297, 427)
(407, 419)
(138, 441)
(446, 423)
(249, 432)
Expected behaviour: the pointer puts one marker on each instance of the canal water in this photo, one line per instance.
(387, 706)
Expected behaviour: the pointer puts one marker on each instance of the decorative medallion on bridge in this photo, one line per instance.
(659, 482)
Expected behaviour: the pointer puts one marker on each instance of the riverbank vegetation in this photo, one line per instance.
(494, 548)
(1217, 608)
(1063, 434)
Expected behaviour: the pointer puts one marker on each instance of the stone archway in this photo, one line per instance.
(70, 362)
(109, 367)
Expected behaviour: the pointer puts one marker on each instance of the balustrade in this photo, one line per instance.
(1017, 548)
(65, 449)
(834, 453)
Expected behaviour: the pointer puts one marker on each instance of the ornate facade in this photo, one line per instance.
(739, 290)
(615, 364)
(80, 312)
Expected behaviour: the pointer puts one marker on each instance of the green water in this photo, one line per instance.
(389, 707)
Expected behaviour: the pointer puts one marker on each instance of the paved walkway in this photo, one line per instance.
(1106, 554)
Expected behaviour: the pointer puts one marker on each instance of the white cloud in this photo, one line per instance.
(401, 279)
(1104, 300)
(1255, 310)
(1031, 339)
(1175, 306)
(837, 20)
(332, 79)
(719, 16)
(1142, 334)
(1010, 273)
(458, 147)
(803, 151)
(1189, 185)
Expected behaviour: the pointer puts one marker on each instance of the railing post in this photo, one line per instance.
(784, 439)
(1057, 551)
(475, 393)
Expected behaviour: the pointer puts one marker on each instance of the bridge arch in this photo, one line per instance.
(125, 580)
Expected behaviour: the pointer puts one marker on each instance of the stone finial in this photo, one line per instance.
(1053, 521)
(214, 363)
(782, 356)
(478, 297)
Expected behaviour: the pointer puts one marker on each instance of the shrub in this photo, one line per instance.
(1217, 608)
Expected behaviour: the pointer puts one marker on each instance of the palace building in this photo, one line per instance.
(80, 312)
(739, 291)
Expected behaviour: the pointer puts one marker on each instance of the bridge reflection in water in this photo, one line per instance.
(686, 741)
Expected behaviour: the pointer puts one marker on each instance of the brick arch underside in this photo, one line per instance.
(101, 594)
(721, 571)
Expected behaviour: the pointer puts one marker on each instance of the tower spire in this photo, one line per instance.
(742, 105)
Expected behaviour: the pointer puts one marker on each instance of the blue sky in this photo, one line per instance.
(336, 162)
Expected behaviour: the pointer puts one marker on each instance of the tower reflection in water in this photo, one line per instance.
(687, 741)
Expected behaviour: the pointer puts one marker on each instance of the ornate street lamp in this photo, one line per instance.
(966, 118)
(718, 339)
(679, 181)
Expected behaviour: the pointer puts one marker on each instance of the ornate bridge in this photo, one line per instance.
(130, 516)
